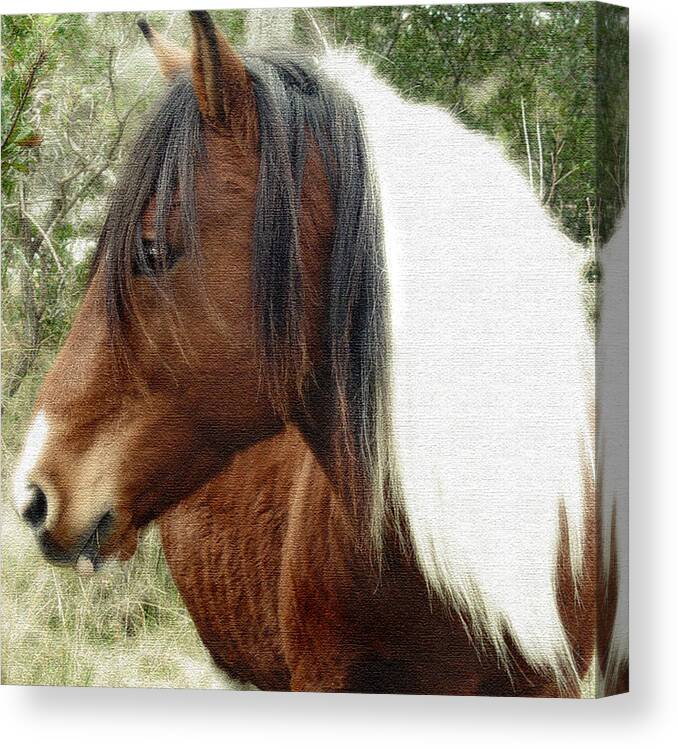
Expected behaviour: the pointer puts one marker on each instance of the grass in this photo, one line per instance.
(125, 626)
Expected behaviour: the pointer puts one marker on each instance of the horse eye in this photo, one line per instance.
(150, 259)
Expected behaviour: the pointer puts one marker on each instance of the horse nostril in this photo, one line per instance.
(36, 511)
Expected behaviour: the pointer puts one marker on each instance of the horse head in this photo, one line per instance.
(201, 326)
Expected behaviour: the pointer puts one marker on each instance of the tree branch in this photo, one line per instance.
(396, 35)
(23, 101)
(45, 238)
(527, 142)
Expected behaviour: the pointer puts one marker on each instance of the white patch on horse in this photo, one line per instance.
(493, 367)
(34, 444)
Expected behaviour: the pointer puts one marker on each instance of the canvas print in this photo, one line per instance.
(315, 349)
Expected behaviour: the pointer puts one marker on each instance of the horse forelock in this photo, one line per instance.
(161, 166)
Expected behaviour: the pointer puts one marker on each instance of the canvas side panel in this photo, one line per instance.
(610, 233)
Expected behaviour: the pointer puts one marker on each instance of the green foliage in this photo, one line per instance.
(30, 46)
(612, 105)
(565, 64)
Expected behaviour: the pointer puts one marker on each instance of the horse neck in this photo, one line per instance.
(321, 515)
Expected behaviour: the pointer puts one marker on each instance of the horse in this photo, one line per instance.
(334, 344)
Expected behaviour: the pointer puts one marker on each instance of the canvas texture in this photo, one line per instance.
(315, 350)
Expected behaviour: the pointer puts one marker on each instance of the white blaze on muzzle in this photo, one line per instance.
(34, 444)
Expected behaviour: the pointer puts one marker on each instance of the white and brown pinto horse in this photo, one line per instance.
(334, 343)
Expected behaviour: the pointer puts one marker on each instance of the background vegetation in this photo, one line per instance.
(548, 80)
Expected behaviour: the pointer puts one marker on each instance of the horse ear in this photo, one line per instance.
(171, 58)
(220, 80)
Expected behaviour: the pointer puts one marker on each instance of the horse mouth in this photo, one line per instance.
(85, 556)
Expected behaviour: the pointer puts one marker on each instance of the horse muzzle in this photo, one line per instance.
(84, 552)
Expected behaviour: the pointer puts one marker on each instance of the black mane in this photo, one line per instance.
(297, 107)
